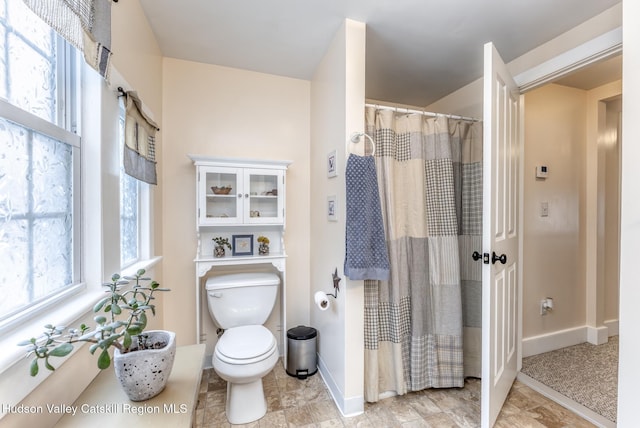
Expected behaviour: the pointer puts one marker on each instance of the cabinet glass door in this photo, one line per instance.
(264, 188)
(222, 194)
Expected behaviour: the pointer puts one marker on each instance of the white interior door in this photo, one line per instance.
(500, 241)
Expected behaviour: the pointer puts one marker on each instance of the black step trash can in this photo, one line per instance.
(302, 358)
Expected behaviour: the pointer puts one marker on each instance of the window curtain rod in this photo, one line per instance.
(422, 112)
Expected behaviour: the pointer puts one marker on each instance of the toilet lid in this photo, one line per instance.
(248, 342)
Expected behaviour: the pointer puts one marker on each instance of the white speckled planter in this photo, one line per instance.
(144, 374)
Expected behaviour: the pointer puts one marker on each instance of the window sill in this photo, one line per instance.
(145, 264)
(63, 314)
(69, 313)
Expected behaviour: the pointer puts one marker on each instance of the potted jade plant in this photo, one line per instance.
(263, 247)
(218, 250)
(142, 359)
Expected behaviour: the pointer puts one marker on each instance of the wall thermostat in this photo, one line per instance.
(542, 171)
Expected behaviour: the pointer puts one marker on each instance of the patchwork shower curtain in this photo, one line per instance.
(414, 321)
(468, 178)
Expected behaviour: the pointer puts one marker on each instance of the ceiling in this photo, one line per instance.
(417, 50)
(595, 75)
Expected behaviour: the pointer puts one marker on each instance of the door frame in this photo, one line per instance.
(597, 49)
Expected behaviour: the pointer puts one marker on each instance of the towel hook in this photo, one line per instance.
(355, 138)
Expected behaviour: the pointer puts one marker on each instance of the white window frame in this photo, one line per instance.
(144, 232)
(41, 126)
(64, 130)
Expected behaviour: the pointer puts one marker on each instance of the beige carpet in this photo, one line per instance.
(586, 373)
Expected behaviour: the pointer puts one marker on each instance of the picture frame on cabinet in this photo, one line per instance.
(242, 245)
(332, 166)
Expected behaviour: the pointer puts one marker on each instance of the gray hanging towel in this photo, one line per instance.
(366, 250)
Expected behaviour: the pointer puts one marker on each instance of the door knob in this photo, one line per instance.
(476, 256)
(502, 258)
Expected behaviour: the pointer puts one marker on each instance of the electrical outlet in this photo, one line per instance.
(546, 305)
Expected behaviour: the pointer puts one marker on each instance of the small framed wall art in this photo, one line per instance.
(332, 208)
(332, 166)
(242, 245)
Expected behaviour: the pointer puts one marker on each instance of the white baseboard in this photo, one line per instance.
(535, 345)
(597, 335)
(351, 406)
(551, 341)
(612, 325)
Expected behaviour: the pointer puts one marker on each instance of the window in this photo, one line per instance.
(28, 48)
(39, 165)
(130, 192)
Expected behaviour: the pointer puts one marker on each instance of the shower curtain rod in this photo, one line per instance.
(425, 113)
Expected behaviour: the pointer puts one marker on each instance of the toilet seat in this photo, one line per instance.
(245, 345)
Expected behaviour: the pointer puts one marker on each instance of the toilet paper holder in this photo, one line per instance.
(336, 284)
(321, 298)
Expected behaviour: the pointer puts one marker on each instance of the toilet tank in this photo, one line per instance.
(241, 298)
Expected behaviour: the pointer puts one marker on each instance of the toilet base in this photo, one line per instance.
(239, 395)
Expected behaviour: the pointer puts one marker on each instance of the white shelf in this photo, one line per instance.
(236, 259)
(213, 195)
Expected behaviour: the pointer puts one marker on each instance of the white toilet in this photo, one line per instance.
(240, 303)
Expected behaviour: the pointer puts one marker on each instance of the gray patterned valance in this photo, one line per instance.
(139, 155)
(86, 24)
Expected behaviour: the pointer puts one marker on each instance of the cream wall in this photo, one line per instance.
(337, 110)
(220, 111)
(136, 54)
(553, 262)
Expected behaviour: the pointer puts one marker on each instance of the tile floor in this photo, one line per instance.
(307, 403)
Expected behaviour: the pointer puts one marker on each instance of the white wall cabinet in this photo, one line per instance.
(239, 199)
(229, 195)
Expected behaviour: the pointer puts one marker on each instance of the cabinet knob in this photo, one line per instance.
(246, 195)
(239, 195)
